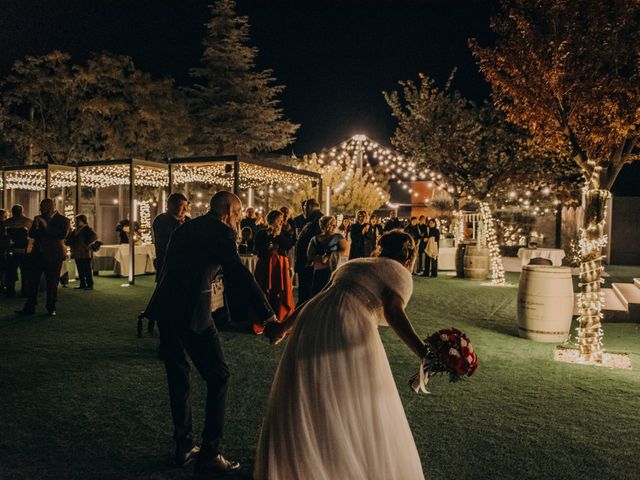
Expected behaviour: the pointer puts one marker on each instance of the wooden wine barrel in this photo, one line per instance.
(545, 303)
(460, 249)
(476, 263)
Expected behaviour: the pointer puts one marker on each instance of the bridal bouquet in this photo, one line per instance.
(448, 351)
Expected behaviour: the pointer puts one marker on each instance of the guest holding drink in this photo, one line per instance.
(326, 253)
(49, 230)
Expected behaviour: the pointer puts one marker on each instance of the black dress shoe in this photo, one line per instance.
(217, 465)
(81, 287)
(25, 313)
(183, 458)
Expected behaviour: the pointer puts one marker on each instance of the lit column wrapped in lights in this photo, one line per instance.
(497, 268)
(591, 298)
(145, 221)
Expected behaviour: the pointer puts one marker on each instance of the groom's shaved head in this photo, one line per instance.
(227, 206)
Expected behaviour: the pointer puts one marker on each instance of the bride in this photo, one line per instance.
(334, 411)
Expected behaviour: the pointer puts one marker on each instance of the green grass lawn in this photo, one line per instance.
(83, 398)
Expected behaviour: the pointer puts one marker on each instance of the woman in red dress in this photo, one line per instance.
(272, 269)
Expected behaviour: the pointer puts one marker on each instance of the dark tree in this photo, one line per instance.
(234, 106)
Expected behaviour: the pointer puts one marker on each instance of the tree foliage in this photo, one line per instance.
(569, 73)
(477, 151)
(357, 193)
(234, 106)
(58, 112)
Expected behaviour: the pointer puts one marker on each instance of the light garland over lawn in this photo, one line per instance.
(102, 176)
(36, 179)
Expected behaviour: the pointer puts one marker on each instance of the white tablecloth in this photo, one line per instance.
(554, 254)
(249, 261)
(447, 258)
(116, 258)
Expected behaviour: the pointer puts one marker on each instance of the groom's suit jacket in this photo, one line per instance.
(198, 250)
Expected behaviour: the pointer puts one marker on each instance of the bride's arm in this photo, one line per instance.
(399, 322)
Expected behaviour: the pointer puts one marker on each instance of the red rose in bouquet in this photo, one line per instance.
(448, 351)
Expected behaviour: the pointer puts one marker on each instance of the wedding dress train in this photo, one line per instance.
(334, 411)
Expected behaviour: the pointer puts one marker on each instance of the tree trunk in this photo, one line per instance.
(558, 239)
(591, 301)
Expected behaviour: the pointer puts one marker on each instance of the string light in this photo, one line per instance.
(590, 300)
(251, 176)
(36, 179)
(102, 176)
(145, 221)
(489, 234)
(69, 212)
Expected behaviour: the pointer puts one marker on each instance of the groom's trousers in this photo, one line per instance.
(205, 352)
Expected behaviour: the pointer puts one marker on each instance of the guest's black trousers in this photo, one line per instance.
(430, 267)
(85, 274)
(15, 261)
(205, 352)
(36, 266)
(305, 284)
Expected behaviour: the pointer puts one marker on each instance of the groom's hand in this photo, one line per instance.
(274, 331)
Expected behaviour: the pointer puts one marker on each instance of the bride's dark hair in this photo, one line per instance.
(397, 245)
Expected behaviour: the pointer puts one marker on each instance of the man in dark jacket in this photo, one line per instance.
(17, 229)
(393, 222)
(49, 231)
(181, 304)
(302, 267)
(164, 225)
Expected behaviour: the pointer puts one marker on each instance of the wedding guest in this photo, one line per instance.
(249, 220)
(300, 220)
(376, 230)
(272, 268)
(432, 247)
(17, 228)
(393, 222)
(302, 266)
(4, 249)
(261, 223)
(361, 245)
(124, 229)
(288, 232)
(414, 230)
(49, 230)
(345, 228)
(246, 241)
(181, 304)
(326, 252)
(164, 225)
(80, 240)
(287, 238)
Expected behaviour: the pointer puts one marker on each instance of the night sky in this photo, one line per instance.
(335, 57)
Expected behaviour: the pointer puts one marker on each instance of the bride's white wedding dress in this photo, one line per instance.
(334, 411)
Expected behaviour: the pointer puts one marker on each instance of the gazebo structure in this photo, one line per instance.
(29, 184)
(110, 191)
(240, 174)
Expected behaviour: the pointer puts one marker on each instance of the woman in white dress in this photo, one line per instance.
(334, 410)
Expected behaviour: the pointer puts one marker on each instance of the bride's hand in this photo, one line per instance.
(275, 332)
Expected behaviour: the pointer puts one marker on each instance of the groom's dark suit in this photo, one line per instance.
(181, 304)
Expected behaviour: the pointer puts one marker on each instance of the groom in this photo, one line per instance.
(181, 304)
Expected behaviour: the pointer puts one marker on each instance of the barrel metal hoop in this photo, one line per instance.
(542, 332)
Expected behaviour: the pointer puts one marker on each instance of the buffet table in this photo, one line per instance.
(116, 258)
(554, 254)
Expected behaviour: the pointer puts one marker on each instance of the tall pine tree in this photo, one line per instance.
(234, 107)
